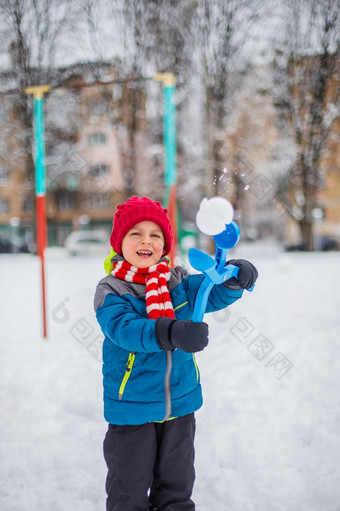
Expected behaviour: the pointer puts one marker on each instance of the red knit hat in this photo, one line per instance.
(135, 210)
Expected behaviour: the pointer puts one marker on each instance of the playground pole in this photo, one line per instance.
(170, 175)
(40, 185)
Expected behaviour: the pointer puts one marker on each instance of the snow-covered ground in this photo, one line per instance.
(268, 433)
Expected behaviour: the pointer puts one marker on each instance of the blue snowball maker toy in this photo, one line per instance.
(215, 270)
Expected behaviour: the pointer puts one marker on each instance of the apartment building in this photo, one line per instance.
(96, 150)
(258, 156)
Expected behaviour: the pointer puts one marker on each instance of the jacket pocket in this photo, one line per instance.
(181, 305)
(127, 374)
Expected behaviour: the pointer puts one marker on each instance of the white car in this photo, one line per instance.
(87, 243)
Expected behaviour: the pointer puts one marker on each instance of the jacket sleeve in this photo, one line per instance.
(219, 298)
(124, 326)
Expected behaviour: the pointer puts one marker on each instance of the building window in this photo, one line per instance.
(97, 138)
(66, 201)
(100, 170)
(28, 205)
(4, 206)
(116, 92)
(99, 107)
(3, 112)
(100, 201)
(4, 176)
(3, 144)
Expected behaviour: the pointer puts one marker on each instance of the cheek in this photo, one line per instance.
(159, 247)
(126, 246)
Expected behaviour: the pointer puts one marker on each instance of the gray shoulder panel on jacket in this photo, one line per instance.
(113, 285)
(177, 275)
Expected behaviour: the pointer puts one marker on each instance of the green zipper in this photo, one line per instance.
(197, 373)
(127, 374)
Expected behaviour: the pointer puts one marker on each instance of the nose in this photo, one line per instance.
(146, 239)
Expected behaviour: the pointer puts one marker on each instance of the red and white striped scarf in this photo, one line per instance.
(155, 278)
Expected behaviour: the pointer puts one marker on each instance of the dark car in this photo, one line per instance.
(321, 243)
(15, 246)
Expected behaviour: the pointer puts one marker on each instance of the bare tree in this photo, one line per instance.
(126, 59)
(155, 37)
(33, 31)
(307, 67)
(224, 29)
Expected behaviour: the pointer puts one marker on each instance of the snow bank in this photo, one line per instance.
(267, 435)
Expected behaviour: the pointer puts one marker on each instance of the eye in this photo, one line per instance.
(134, 233)
(156, 235)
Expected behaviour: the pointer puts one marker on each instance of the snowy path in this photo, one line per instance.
(267, 435)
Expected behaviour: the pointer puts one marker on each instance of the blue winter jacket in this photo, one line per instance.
(143, 383)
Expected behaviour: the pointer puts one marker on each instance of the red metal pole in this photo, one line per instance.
(172, 209)
(41, 245)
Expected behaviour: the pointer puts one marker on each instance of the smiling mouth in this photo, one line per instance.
(144, 253)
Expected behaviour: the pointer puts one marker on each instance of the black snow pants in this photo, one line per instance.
(151, 466)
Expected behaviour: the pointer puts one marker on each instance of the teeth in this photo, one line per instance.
(144, 252)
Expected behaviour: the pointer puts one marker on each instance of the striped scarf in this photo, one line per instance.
(155, 278)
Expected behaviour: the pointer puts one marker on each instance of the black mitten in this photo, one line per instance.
(186, 335)
(247, 275)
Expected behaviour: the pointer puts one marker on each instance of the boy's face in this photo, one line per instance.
(143, 244)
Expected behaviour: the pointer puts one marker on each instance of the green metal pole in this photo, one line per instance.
(169, 124)
(170, 148)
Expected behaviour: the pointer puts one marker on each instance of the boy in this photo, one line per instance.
(151, 379)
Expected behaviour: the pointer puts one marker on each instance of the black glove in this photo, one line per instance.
(186, 335)
(247, 275)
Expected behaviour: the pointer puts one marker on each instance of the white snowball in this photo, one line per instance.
(213, 215)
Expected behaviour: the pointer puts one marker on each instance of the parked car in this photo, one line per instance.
(87, 243)
(321, 243)
(10, 245)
